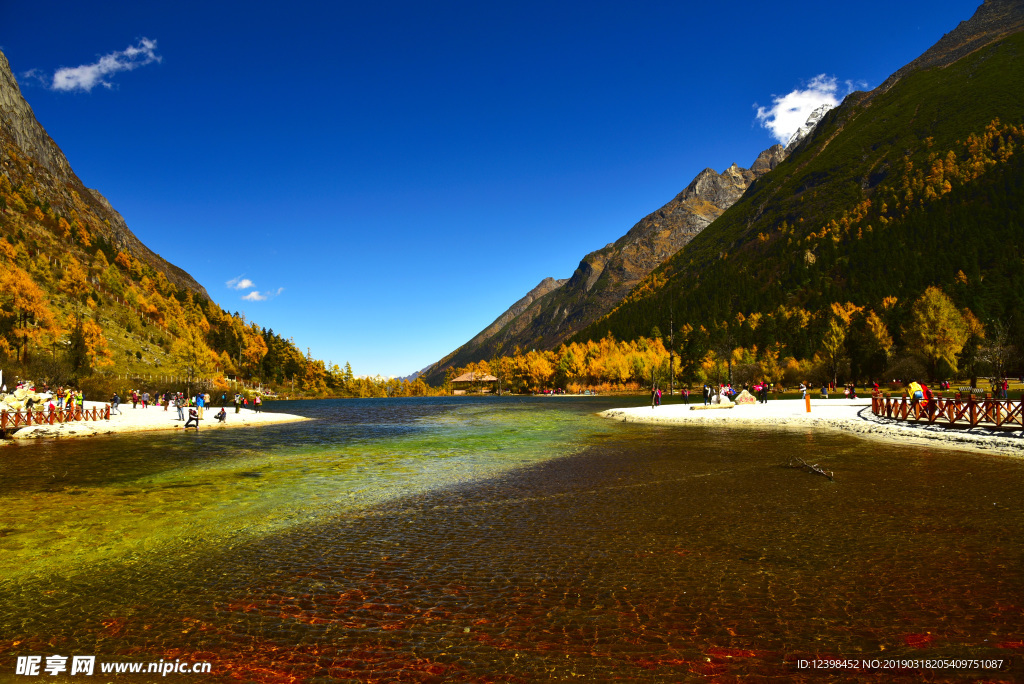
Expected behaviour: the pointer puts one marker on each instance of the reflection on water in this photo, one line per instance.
(441, 540)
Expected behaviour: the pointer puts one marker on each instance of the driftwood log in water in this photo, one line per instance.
(797, 462)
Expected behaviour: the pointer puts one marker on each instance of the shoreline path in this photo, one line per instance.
(850, 416)
(149, 419)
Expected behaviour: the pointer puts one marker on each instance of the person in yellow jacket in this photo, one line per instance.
(914, 390)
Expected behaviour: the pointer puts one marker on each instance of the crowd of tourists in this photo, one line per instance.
(716, 393)
(195, 405)
(66, 398)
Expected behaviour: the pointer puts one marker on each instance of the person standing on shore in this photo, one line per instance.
(707, 395)
(200, 400)
(115, 401)
(686, 395)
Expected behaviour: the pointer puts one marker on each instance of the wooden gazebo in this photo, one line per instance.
(473, 381)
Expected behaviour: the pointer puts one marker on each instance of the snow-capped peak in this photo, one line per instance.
(808, 126)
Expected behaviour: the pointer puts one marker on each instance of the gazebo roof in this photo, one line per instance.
(475, 377)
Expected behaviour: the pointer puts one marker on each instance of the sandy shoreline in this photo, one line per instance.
(148, 420)
(843, 415)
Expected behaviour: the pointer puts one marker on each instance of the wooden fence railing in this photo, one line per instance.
(958, 411)
(10, 420)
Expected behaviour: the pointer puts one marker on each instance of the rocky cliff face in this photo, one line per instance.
(18, 121)
(604, 277)
(30, 158)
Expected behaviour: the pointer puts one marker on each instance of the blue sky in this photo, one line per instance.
(391, 176)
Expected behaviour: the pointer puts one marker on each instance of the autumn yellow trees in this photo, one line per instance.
(87, 347)
(937, 331)
(24, 314)
(607, 363)
(191, 355)
(254, 348)
(789, 345)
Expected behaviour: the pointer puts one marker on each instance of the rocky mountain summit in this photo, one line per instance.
(556, 309)
(32, 161)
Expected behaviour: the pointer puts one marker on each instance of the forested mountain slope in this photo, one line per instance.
(914, 185)
(83, 300)
(34, 164)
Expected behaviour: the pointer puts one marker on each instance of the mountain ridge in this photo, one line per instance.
(606, 275)
(993, 20)
(47, 169)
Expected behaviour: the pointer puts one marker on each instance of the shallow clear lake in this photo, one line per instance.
(508, 539)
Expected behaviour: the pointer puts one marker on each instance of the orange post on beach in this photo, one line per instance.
(807, 402)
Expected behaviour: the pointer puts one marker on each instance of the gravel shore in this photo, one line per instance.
(154, 418)
(851, 416)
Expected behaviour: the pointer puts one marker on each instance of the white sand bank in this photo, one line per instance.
(147, 420)
(836, 414)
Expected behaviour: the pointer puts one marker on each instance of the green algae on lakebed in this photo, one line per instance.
(69, 504)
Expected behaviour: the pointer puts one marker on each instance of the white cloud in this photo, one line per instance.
(240, 283)
(35, 75)
(243, 283)
(88, 76)
(257, 296)
(790, 112)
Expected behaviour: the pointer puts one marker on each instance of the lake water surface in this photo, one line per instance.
(508, 539)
